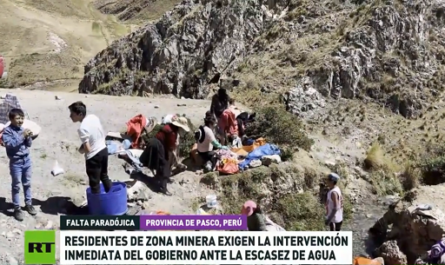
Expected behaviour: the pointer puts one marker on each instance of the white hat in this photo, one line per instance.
(181, 122)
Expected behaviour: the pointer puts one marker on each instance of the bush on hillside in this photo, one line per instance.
(375, 158)
(432, 166)
(386, 177)
(279, 127)
(301, 212)
(304, 212)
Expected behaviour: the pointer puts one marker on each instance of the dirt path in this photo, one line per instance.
(58, 141)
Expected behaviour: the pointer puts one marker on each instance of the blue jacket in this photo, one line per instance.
(16, 145)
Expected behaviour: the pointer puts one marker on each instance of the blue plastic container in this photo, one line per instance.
(112, 203)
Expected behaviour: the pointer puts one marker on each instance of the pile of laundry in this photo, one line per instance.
(254, 154)
(128, 143)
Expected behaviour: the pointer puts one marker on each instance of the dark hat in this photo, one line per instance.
(333, 177)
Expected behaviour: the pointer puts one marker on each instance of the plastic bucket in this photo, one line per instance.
(211, 201)
(112, 203)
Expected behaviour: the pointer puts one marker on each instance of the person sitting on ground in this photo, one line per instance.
(256, 220)
(220, 102)
(334, 203)
(206, 141)
(243, 119)
(17, 142)
(156, 154)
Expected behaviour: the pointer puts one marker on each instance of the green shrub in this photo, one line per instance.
(279, 127)
(301, 212)
(432, 166)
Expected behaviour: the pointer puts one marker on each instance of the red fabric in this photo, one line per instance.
(228, 122)
(134, 129)
(167, 136)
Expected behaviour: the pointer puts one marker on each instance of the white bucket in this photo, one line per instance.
(211, 201)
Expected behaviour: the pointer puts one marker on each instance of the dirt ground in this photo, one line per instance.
(58, 141)
(46, 41)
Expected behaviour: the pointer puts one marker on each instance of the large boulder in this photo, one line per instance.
(409, 229)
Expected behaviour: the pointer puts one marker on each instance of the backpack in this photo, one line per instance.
(200, 134)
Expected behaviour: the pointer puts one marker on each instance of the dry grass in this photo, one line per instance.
(136, 11)
(35, 52)
(375, 158)
(410, 177)
(386, 177)
(155, 10)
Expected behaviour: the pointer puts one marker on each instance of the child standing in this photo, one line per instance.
(17, 142)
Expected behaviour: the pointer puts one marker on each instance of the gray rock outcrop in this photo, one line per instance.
(388, 51)
(187, 49)
(408, 232)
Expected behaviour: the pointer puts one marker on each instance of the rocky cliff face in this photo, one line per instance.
(389, 51)
(187, 49)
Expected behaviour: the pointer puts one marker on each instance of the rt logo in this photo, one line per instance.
(40, 247)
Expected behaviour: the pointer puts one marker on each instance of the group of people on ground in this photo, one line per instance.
(160, 154)
(222, 125)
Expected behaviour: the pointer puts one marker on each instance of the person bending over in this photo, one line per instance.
(93, 146)
(156, 153)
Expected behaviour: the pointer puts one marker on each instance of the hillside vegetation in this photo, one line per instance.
(46, 43)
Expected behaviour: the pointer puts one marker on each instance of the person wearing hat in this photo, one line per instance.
(156, 153)
(256, 220)
(206, 141)
(173, 155)
(334, 203)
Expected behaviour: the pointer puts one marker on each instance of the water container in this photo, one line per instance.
(112, 203)
(211, 201)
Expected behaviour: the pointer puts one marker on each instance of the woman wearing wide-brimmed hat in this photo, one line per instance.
(156, 153)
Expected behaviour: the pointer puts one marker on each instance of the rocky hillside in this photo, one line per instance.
(188, 48)
(386, 51)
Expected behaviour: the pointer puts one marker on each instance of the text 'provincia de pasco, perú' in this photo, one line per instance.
(154, 222)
